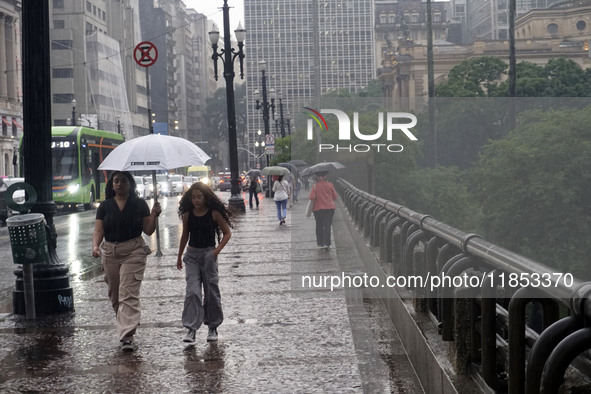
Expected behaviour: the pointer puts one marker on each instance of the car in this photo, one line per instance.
(215, 182)
(178, 184)
(264, 182)
(148, 181)
(225, 184)
(164, 184)
(141, 187)
(244, 182)
(188, 180)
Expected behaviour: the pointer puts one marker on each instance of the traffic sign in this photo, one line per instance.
(270, 149)
(269, 139)
(145, 54)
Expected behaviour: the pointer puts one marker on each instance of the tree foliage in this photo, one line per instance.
(465, 125)
(534, 188)
(476, 77)
(216, 120)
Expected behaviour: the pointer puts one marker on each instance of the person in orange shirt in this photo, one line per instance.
(323, 194)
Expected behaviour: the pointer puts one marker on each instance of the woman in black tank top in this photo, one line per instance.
(204, 217)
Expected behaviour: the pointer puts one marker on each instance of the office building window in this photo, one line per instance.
(59, 24)
(63, 73)
(61, 44)
(63, 98)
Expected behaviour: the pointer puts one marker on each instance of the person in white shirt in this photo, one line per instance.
(281, 190)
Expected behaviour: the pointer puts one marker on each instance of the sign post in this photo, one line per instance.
(269, 144)
(145, 54)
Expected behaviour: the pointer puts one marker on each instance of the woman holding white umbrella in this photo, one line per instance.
(281, 189)
(117, 240)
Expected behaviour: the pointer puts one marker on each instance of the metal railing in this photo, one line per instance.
(497, 344)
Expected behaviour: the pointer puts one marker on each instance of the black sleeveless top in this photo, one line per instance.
(201, 230)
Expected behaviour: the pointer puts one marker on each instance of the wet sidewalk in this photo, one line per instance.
(276, 335)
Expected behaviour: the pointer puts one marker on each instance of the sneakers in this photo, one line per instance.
(190, 337)
(212, 335)
(282, 221)
(127, 346)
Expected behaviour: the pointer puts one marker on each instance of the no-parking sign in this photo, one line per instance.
(145, 54)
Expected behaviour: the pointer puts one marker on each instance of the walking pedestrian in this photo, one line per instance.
(323, 194)
(281, 190)
(204, 217)
(117, 240)
(253, 190)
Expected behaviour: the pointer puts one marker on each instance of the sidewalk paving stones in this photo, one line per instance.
(276, 336)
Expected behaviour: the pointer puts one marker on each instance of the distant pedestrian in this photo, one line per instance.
(253, 190)
(281, 189)
(306, 184)
(120, 220)
(323, 194)
(204, 217)
(298, 187)
(290, 179)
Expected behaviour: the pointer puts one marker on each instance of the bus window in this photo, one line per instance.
(86, 169)
(64, 163)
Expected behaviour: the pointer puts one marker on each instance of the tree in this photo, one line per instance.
(216, 121)
(282, 150)
(558, 78)
(534, 187)
(477, 77)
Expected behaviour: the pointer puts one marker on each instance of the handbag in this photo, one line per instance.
(309, 208)
(258, 188)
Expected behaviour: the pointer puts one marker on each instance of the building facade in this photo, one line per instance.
(11, 109)
(310, 48)
(92, 69)
(178, 80)
(541, 35)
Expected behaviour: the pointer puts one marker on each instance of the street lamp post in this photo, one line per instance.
(74, 112)
(262, 145)
(55, 295)
(287, 122)
(228, 55)
(283, 121)
(265, 105)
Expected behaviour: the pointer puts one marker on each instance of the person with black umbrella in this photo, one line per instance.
(323, 194)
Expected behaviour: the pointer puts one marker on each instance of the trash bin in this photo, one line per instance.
(28, 238)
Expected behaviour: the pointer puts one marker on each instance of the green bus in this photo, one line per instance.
(77, 152)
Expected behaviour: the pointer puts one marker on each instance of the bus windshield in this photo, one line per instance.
(64, 163)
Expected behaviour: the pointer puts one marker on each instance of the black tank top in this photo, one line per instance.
(201, 230)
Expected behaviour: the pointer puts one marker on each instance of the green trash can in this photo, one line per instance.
(28, 238)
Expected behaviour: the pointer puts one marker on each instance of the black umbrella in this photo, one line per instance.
(298, 163)
(254, 173)
(322, 167)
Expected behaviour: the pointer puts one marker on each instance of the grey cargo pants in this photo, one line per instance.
(201, 269)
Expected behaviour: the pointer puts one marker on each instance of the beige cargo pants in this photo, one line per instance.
(124, 264)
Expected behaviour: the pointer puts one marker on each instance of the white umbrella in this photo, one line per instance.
(154, 152)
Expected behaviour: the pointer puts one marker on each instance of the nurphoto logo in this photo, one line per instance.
(344, 131)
